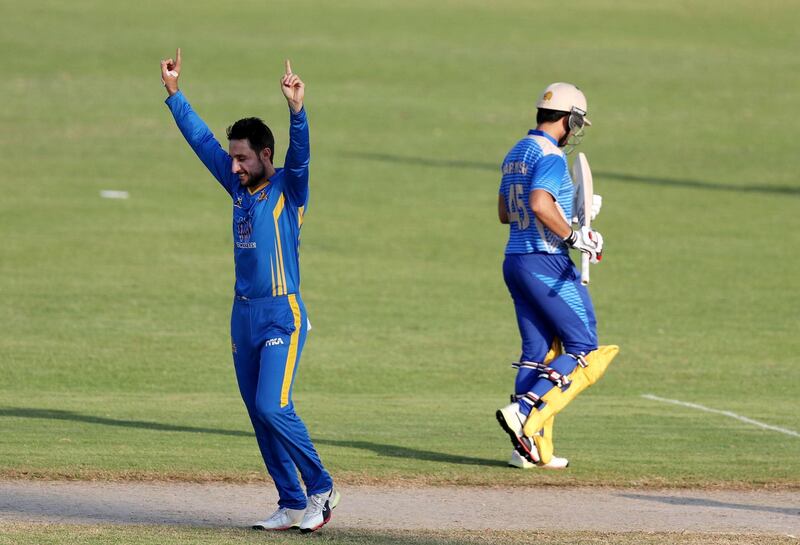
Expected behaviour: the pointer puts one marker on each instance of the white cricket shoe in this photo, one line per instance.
(518, 461)
(555, 463)
(513, 421)
(319, 510)
(282, 519)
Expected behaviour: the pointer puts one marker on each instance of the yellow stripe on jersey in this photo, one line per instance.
(272, 273)
(277, 282)
(300, 212)
(279, 250)
(291, 357)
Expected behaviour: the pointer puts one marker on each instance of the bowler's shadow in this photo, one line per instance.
(397, 451)
(393, 451)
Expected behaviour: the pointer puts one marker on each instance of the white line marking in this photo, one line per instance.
(113, 194)
(726, 413)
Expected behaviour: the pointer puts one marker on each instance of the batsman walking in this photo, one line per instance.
(268, 320)
(560, 354)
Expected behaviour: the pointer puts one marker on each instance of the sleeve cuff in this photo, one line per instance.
(174, 98)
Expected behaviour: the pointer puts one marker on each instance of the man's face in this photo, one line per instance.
(247, 164)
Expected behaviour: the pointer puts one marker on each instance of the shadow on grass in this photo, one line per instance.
(57, 414)
(617, 176)
(704, 502)
(381, 449)
(397, 451)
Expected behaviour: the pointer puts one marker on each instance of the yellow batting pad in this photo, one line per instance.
(581, 378)
(598, 361)
(554, 352)
(544, 441)
(555, 400)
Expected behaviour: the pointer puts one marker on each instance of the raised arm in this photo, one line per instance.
(299, 154)
(194, 129)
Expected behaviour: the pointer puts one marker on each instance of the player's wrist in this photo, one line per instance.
(571, 239)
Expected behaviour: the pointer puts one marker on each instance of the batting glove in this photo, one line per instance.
(587, 241)
(597, 204)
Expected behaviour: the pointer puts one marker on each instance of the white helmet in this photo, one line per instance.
(564, 97)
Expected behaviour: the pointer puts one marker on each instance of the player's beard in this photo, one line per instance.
(255, 179)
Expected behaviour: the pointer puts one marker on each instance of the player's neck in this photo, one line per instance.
(555, 130)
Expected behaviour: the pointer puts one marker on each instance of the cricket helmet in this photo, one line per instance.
(564, 97)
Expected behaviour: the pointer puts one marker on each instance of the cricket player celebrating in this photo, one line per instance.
(552, 307)
(268, 321)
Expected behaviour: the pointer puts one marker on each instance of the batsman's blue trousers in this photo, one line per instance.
(549, 301)
(267, 337)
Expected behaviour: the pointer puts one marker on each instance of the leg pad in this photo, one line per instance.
(596, 363)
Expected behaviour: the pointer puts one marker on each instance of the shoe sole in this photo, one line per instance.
(554, 468)
(518, 445)
(331, 506)
(262, 529)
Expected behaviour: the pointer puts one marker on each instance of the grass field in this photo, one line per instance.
(114, 348)
(41, 534)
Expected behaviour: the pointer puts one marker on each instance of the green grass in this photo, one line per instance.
(46, 534)
(114, 355)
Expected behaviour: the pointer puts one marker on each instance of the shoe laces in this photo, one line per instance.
(317, 502)
(282, 512)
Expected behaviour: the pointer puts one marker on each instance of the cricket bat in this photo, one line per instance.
(584, 191)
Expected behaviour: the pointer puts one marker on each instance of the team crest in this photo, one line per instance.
(238, 202)
(547, 96)
(244, 230)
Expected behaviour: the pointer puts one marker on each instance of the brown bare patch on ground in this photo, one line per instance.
(597, 511)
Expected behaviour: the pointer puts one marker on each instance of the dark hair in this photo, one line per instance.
(255, 132)
(549, 116)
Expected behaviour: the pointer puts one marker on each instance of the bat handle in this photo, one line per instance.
(585, 269)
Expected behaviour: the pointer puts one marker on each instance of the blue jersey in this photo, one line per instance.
(266, 223)
(535, 162)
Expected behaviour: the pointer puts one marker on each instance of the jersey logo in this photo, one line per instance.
(238, 202)
(274, 342)
(244, 228)
(262, 196)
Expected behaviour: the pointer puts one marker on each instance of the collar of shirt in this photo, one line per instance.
(542, 133)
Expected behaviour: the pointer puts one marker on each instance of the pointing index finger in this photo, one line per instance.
(288, 67)
(178, 59)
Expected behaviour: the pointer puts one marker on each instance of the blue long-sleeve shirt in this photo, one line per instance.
(266, 223)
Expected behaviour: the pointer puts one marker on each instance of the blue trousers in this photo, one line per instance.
(550, 302)
(267, 337)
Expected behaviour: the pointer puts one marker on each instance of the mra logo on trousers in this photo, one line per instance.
(274, 342)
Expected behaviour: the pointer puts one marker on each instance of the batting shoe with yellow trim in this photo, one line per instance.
(319, 510)
(512, 421)
(282, 519)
